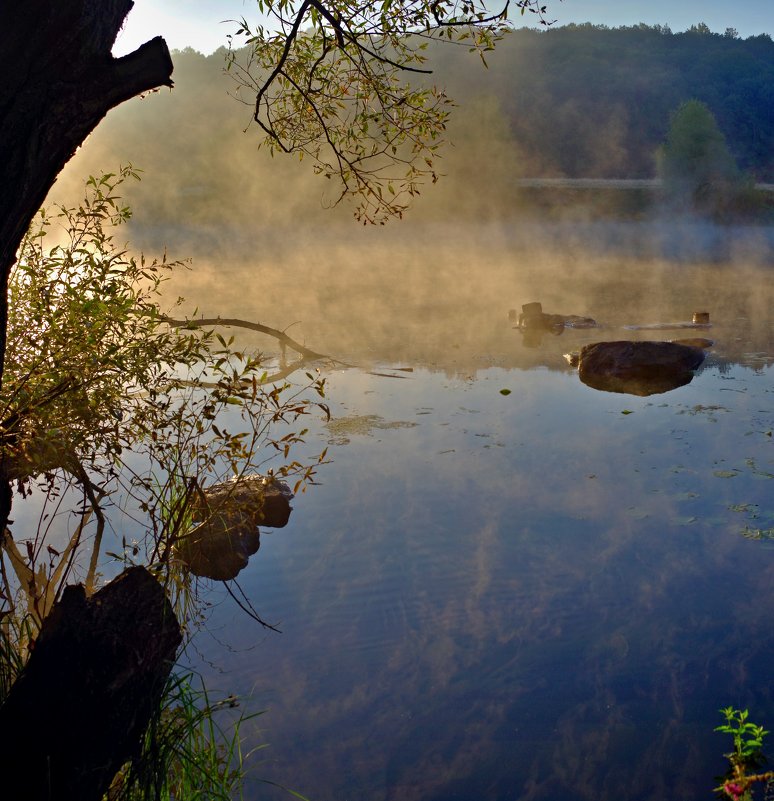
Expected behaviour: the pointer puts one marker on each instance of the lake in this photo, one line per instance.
(544, 595)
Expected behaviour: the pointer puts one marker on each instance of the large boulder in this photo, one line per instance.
(638, 368)
(228, 516)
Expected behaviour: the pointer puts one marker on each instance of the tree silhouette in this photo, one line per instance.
(695, 164)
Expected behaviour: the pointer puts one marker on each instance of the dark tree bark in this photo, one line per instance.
(80, 707)
(85, 698)
(58, 79)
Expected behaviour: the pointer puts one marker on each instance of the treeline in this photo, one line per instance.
(579, 101)
(590, 101)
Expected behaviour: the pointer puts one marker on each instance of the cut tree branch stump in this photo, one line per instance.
(58, 79)
(80, 707)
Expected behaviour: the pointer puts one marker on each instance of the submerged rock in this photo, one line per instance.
(218, 555)
(695, 342)
(229, 514)
(638, 368)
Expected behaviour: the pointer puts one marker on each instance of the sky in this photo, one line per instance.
(200, 23)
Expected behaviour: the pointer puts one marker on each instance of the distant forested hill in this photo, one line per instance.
(578, 101)
(589, 101)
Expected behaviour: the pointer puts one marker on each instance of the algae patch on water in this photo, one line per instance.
(364, 425)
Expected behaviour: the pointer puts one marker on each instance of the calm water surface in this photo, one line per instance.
(541, 595)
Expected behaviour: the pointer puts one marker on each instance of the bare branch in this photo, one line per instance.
(280, 336)
(335, 86)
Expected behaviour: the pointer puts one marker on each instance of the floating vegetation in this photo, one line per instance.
(361, 425)
(686, 496)
(758, 533)
(764, 529)
(756, 471)
(710, 411)
(637, 513)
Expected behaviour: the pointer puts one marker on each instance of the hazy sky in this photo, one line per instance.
(198, 23)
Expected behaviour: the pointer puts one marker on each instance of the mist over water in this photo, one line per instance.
(494, 597)
(265, 244)
(545, 595)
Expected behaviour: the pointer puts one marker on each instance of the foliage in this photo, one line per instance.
(329, 79)
(12, 632)
(597, 101)
(108, 407)
(186, 752)
(696, 167)
(573, 101)
(746, 758)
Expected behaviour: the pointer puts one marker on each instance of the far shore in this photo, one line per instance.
(604, 183)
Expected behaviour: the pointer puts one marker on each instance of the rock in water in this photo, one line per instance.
(229, 515)
(638, 368)
(265, 500)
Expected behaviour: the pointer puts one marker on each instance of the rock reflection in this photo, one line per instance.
(228, 515)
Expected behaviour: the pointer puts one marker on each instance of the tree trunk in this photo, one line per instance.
(83, 702)
(58, 79)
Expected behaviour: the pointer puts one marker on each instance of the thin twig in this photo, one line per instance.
(247, 607)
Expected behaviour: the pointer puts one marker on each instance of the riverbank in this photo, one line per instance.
(624, 199)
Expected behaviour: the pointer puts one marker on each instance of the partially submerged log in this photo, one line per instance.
(699, 320)
(638, 368)
(229, 515)
(533, 317)
(80, 707)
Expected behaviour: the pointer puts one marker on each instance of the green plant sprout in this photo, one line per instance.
(746, 758)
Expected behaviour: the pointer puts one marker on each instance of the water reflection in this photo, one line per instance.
(541, 595)
(506, 600)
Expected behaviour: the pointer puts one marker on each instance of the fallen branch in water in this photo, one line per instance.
(280, 336)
